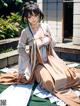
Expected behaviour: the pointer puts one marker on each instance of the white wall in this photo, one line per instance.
(76, 22)
(53, 15)
(53, 10)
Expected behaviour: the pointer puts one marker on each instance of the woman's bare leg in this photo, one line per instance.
(43, 77)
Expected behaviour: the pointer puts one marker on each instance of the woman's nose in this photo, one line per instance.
(33, 17)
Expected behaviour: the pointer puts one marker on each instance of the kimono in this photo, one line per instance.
(27, 61)
(41, 63)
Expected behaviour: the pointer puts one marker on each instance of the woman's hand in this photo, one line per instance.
(42, 39)
(20, 77)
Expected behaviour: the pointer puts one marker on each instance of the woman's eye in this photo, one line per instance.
(29, 16)
(35, 15)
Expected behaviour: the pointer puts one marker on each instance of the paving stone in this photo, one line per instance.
(12, 60)
(3, 63)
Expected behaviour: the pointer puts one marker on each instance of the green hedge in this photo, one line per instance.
(10, 18)
(11, 26)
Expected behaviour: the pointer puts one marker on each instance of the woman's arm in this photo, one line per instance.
(23, 55)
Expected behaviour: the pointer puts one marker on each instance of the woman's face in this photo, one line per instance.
(33, 19)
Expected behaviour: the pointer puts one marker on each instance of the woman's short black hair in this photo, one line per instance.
(30, 8)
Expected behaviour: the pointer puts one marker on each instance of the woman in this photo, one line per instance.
(40, 63)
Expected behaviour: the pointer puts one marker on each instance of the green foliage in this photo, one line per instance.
(14, 17)
(5, 3)
(4, 50)
(18, 1)
(10, 27)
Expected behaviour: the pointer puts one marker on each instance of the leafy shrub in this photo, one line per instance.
(11, 26)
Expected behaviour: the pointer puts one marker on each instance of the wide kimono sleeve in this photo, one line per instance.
(53, 41)
(23, 61)
(51, 34)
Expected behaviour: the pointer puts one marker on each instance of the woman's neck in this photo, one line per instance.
(35, 27)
